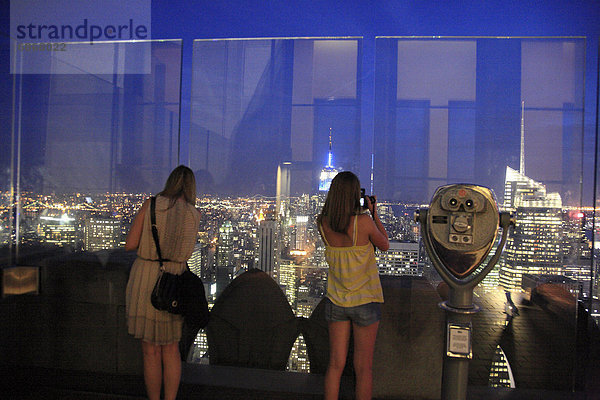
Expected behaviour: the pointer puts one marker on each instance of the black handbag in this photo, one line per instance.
(166, 295)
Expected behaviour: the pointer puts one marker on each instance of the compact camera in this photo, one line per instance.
(363, 203)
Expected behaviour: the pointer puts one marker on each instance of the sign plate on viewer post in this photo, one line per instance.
(458, 342)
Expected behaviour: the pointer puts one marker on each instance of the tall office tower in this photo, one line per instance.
(61, 230)
(329, 171)
(517, 186)
(298, 360)
(282, 202)
(267, 230)
(101, 233)
(284, 174)
(534, 245)
(195, 261)
(304, 306)
(208, 263)
(301, 232)
(299, 355)
(223, 277)
(317, 257)
(576, 245)
(224, 266)
(401, 259)
(225, 244)
(287, 281)
(239, 244)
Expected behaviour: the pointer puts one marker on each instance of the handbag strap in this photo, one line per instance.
(154, 230)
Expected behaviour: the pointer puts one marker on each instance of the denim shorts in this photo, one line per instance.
(362, 315)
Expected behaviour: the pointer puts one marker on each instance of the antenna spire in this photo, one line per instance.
(330, 156)
(522, 153)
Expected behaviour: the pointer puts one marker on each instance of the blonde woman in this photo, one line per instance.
(177, 221)
(353, 287)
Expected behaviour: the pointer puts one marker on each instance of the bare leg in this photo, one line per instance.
(171, 369)
(339, 335)
(364, 345)
(152, 369)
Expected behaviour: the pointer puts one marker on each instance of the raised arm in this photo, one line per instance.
(377, 234)
(135, 233)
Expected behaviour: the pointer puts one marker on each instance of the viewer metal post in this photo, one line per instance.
(459, 229)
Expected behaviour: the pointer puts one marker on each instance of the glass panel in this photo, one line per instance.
(263, 102)
(269, 118)
(505, 113)
(87, 144)
(450, 110)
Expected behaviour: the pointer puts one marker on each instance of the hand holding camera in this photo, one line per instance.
(367, 202)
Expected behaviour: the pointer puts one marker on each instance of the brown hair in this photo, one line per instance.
(180, 183)
(343, 201)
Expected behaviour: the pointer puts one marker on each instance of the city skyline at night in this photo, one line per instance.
(230, 237)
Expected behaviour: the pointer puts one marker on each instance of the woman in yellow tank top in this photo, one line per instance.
(353, 286)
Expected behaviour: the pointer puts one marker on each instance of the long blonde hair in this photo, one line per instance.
(181, 183)
(343, 201)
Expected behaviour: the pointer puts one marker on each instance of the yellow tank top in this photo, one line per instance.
(353, 276)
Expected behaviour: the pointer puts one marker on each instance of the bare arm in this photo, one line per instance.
(135, 233)
(377, 234)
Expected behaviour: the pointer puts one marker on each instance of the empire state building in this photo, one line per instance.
(329, 171)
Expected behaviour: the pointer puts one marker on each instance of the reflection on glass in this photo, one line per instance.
(259, 103)
(87, 144)
(450, 110)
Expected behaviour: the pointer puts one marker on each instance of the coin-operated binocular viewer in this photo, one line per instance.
(459, 229)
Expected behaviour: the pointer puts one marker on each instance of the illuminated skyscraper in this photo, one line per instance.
(225, 245)
(101, 233)
(328, 172)
(283, 189)
(517, 186)
(534, 245)
(195, 261)
(224, 267)
(287, 281)
(301, 234)
(267, 230)
(61, 230)
(305, 304)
